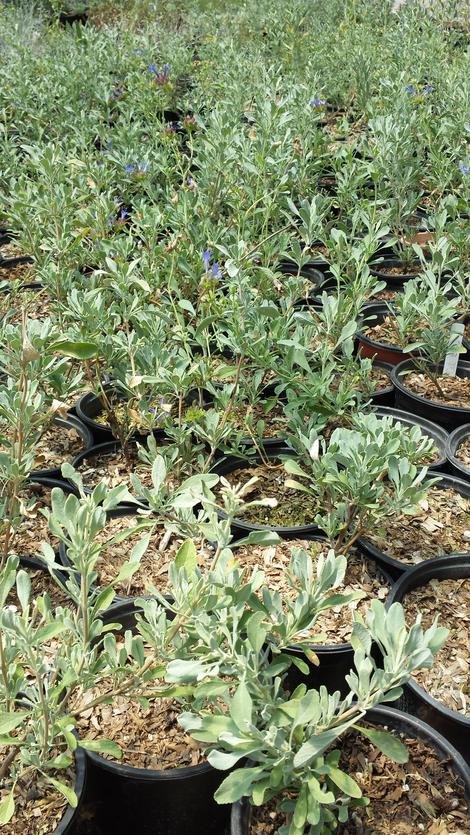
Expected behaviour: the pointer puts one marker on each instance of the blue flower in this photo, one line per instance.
(465, 169)
(142, 167)
(206, 257)
(138, 52)
(428, 89)
(130, 169)
(123, 214)
(215, 271)
(165, 69)
(317, 102)
(153, 68)
(411, 89)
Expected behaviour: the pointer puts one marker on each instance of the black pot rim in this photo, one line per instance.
(453, 442)
(409, 365)
(74, 423)
(79, 788)
(409, 581)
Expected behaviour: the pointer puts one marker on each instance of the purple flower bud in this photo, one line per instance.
(428, 89)
(317, 102)
(215, 271)
(465, 169)
(206, 257)
(411, 89)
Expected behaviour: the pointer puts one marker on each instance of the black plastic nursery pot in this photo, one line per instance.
(90, 405)
(368, 347)
(432, 430)
(10, 263)
(447, 416)
(394, 279)
(87, 408)
(69, 825)
(93, 452)
(455, 439)
(123, 799)
(386, 395)
(68, 424)
(49, 484)
(390, 718)
(395, 568)
(310, 271)
(451, 724)
(228, 466)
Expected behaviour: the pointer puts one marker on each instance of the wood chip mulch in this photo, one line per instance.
(39, 807)
(33, 528)
(153, 569)
(21, 272)
(115, 468)
(422, 796)
(55, 446)
(456, 389)
(41, 583)
(448, 680)
(440, 526)
(37, 305)
(361, 575)
(149, 736)
(463, 452)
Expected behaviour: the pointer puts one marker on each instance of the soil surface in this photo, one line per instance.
(33, 528)
(154, 565)
(463, 452)
(293, 506)
(386, 333)
(400, 269)
(421, 796)
(41, 583)
(361, 575)
(149, 737)
(55, 446)
(21, 272)
(456, 390)
(36, 303)
(39, 808)
(274, 419)
(116, 468)
(448, 680)
(441, 525)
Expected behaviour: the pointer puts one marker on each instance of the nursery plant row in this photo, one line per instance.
(234, 419)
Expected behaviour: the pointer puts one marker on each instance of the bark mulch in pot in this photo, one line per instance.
(20, 272)
(422, 796)
(39, 808)
(41, 583)
(55, 446)
(361, 575)
(440, 526)
(397, 269)
(456, 389)
(463, 452)
(385, 332)
(274, 419)
(149, 737)
(293, 506)
(36, 303)
(154, 565)
(448, 681)
(116, 468)
(33, 528)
